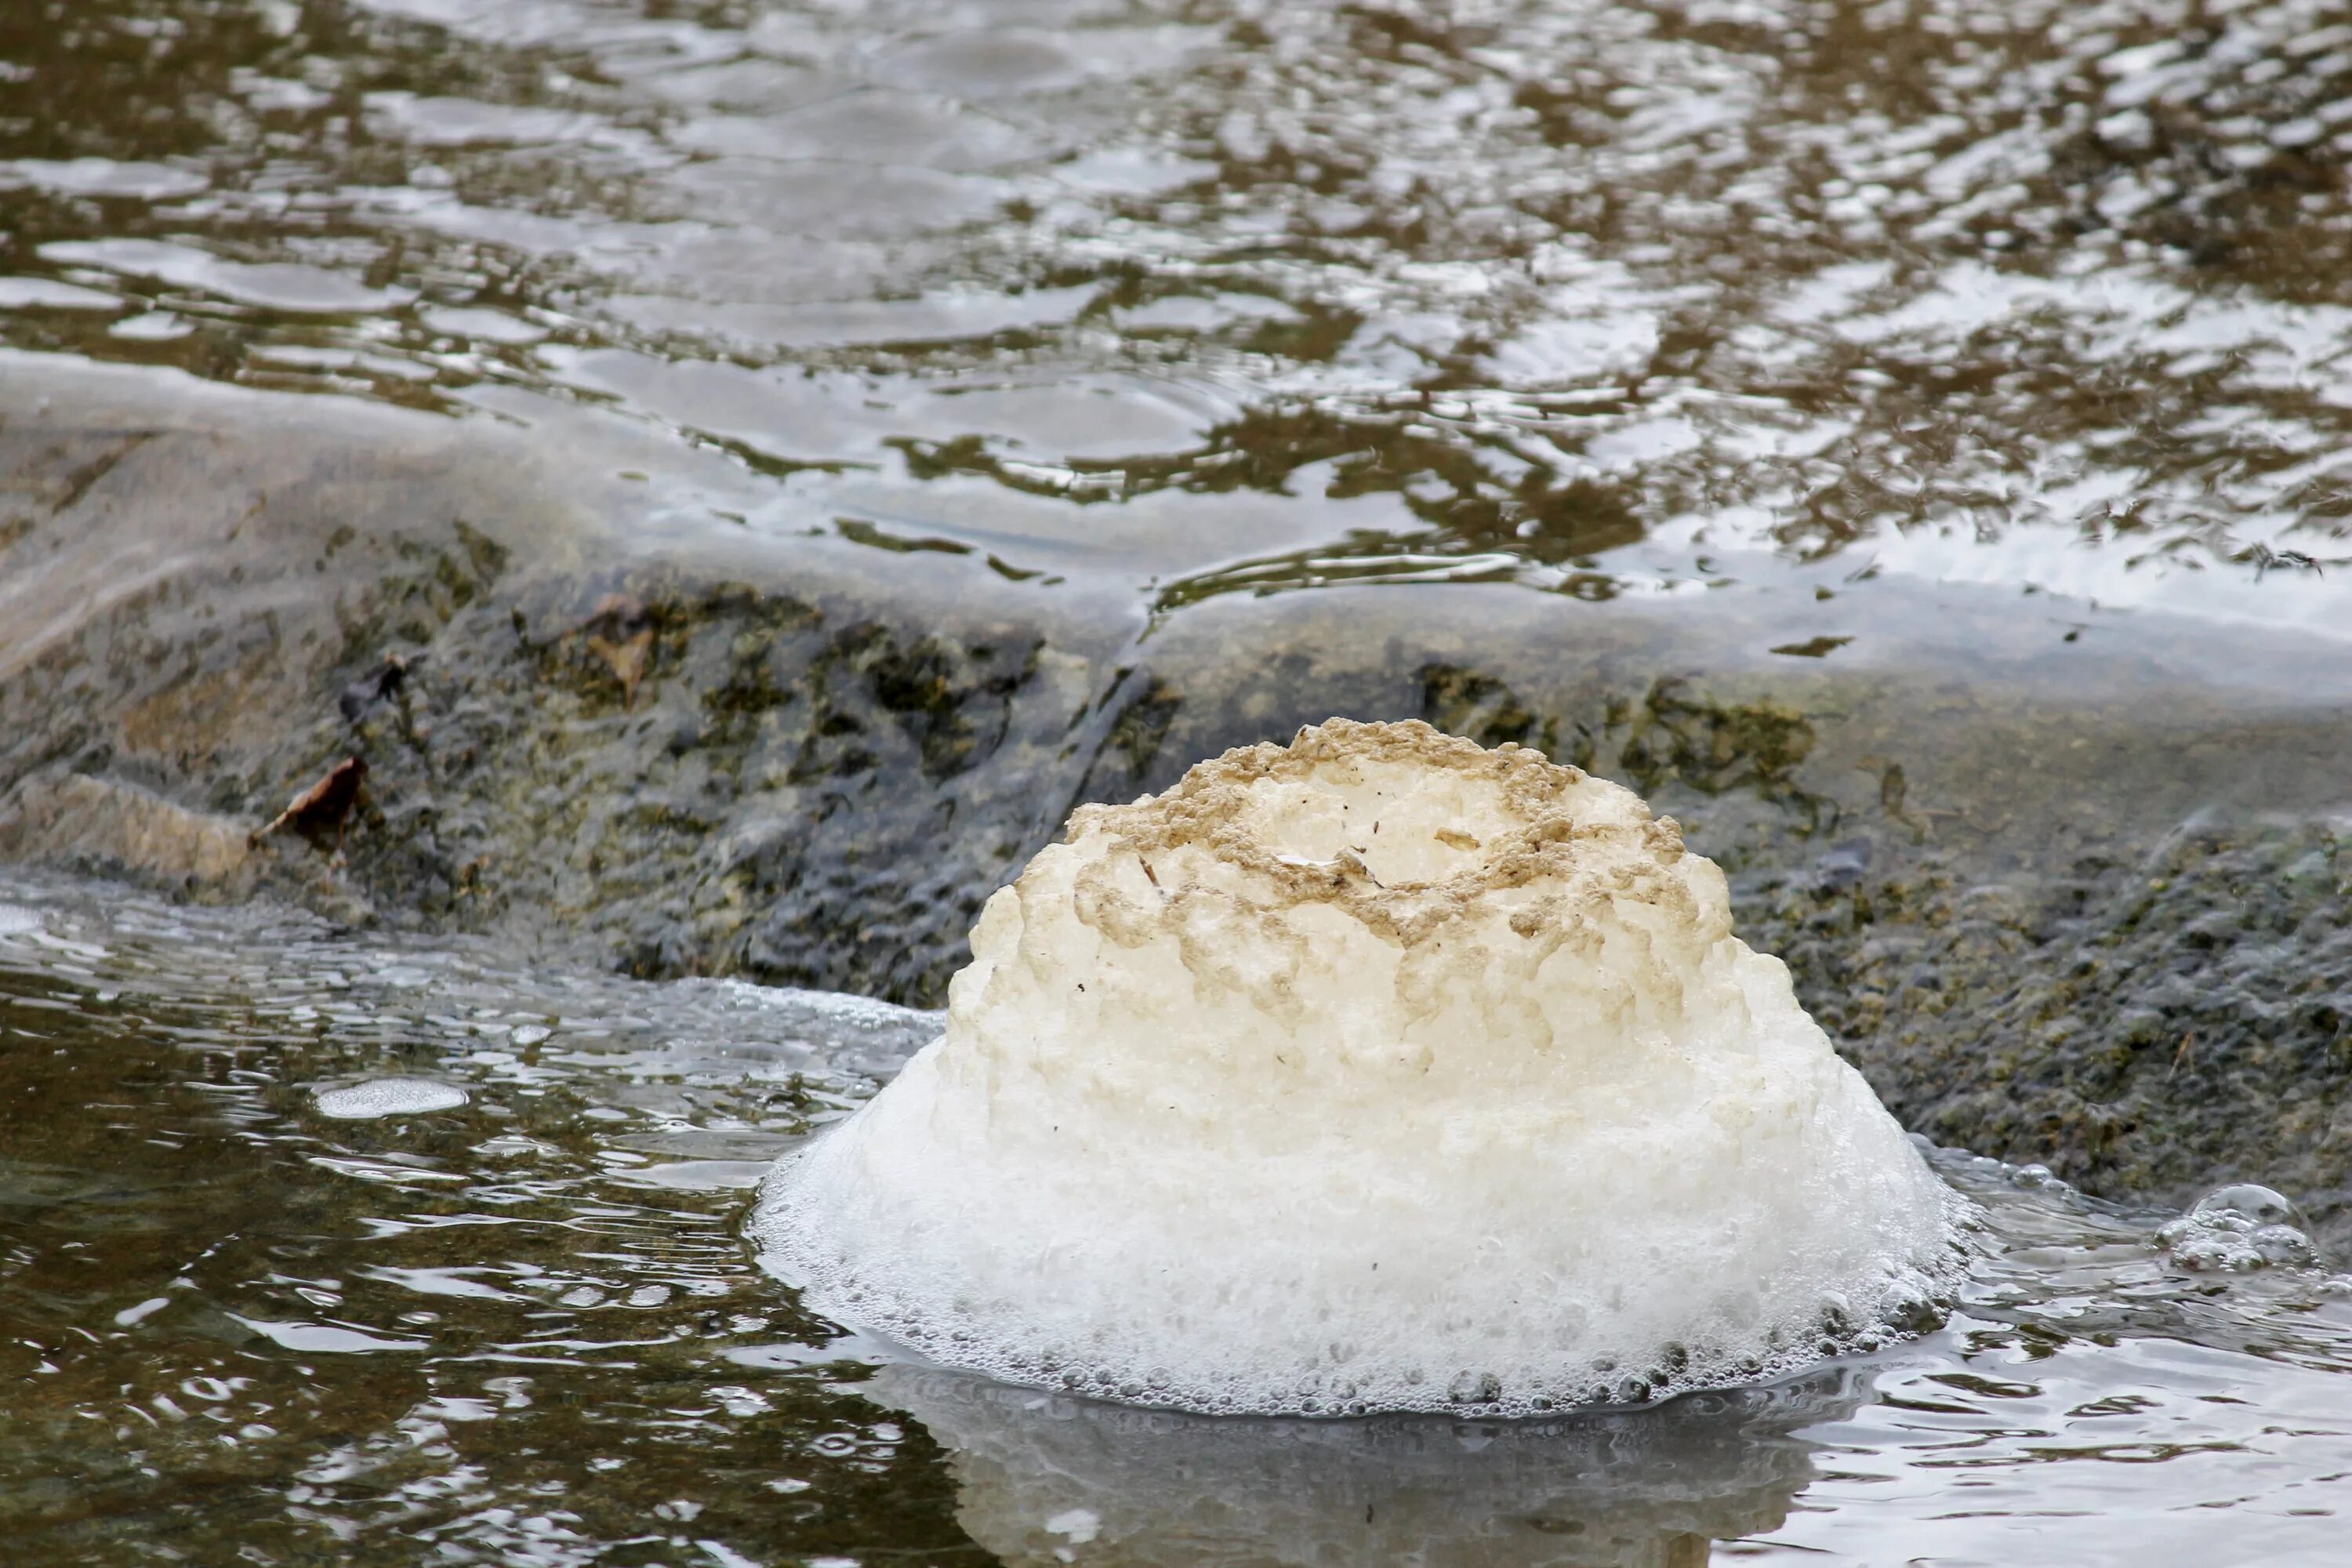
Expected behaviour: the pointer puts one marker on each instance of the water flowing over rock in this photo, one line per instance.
(2087, 909)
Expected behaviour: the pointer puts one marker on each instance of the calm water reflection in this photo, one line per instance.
(1230, 297)
(526, 1329)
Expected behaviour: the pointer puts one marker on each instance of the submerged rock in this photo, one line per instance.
(114, 827)
(2080, 903)
(1379, 1071)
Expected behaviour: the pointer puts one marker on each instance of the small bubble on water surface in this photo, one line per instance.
(2236, 1228)
(1475, 1388)
(2260, 1205)
(2282, 1245)
(389, 1097)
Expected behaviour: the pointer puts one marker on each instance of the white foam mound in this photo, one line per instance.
(1378, 1071)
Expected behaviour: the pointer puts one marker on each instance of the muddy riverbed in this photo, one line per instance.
(738, 473)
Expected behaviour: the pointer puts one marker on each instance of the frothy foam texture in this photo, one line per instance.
(381, 1097)
(1374, 1072)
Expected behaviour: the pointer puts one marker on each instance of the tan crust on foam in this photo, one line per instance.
(1615, 850)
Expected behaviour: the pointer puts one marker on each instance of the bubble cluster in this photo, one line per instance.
(2238, 1228)
(1375, 1072)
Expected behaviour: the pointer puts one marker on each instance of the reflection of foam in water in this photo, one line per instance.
(1046, 1478)
(389, 1097)
(1379, 1072)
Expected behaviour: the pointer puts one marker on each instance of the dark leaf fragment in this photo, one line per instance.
(1812, 648)
(378, 685)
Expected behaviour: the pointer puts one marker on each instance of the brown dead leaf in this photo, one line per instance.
(621, 633)
(323, 811)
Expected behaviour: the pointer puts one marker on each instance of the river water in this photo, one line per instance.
(243, 1323)
(1598, 298)
(1602, 301)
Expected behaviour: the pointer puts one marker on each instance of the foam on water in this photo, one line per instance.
(1379, 1071)
(16, 920)
(381, 1097)
(2238, 1228)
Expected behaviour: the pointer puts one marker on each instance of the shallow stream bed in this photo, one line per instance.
(247, 1315)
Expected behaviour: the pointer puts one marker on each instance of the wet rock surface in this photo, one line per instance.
(2137, 1022)
(2051, 918)
(699, 770)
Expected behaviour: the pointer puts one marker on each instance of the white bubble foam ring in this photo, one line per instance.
(1376, 1071)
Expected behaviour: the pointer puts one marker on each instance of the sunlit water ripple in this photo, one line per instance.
(1597, 298)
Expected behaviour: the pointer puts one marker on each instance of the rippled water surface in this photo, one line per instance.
(508, 1316)
(1598, 298)
(322, 1246)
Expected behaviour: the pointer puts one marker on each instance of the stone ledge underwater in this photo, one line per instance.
(2077, 903)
